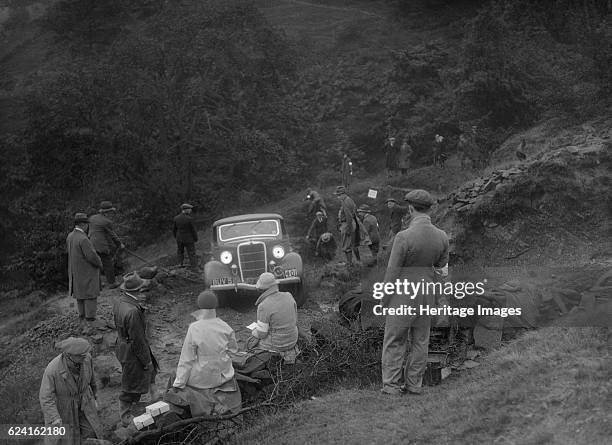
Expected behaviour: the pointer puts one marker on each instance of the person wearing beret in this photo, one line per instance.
(138, 365)
(186, 236)
(370, 224)
(205, 378)
(68, 394)
(315, 204)
(84, 266)
(105, 240)
(396, 213)
(317, 228)
(349, 225)
(417, 253)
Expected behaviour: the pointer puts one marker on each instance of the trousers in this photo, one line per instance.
(405, 333)
(87, 308)
(108, 264)
(180, 253)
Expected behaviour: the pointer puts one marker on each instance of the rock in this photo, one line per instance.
(469, 364)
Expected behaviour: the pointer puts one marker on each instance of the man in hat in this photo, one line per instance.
(396, 213)
(138, 364)
(370, 224)
(346, 171)
(326, 246)
(391, 156)
(276, 319)
(317, 228)
(417, 253)
(84, 266)
(205, 378)
(186, 236)
(316, 203)
(105, 240)
(68, 393)
(347, 220)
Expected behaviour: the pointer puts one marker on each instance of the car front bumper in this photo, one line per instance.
(252, 287)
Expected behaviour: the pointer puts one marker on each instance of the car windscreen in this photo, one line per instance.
(247, 229)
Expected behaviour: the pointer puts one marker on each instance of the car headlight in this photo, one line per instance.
(278, 252)
(226, 257)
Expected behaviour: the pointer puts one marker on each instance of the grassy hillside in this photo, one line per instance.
(549, 386)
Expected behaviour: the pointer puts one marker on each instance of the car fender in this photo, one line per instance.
(292, 261)
(215, 269)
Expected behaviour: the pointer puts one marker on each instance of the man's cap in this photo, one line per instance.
(81, 218)
(364, 208)
(208, 300)
(340, 190)
(74, 346)
(392, 200)
(266, 280)
(106, 206)
(420, 198)
(319, 213)
(133, 282)
(186, 206)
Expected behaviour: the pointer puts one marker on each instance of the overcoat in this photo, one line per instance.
(84, 266)
(370, 224)
(61, 395)
(184, 230)
(102, 235)
(132, 347)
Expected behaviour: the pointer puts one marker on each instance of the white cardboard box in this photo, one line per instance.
(157, 408)
(144, 420)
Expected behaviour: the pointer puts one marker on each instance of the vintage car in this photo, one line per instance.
(245, 246)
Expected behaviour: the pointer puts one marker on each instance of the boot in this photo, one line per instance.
(125, 408)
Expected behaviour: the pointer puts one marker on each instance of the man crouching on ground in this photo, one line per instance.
(415, 253)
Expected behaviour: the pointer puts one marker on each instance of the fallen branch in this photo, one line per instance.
(518, 254)
(145, 434)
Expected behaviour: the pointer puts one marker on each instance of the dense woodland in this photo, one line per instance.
(150, 103)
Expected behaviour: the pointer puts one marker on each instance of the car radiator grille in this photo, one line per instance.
(252, 259)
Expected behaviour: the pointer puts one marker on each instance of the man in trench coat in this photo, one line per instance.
(68, 394)
(138, 365)
(84, 266)
(105, 240)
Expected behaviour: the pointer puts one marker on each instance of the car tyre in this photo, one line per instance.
(299, 294)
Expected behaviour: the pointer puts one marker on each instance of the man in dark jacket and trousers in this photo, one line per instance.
(84, 266)
(396, 213)
(105, 240)
(68, 394)
(317, 228)
(186, 236)
(316, 203)
(346, 171)
(370, 224)
(419, 254)
(138, 364)
(348, 225)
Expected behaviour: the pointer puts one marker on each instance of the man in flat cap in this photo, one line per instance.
(317, 228)
(138, 365)
(370, 224)
(347, 220)
(416, 254)
(186, 236)
(396, 213)
(68, 393)
(315, 204)
(84, 266)
(105, 240)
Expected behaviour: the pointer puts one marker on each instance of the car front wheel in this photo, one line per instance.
(299, 293)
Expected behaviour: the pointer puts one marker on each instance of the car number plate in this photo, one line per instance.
(222, 280)
(291, 273)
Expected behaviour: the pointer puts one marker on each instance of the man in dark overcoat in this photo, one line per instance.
(186, 236)
(84, 266)
(105, 240)
(138, 365)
